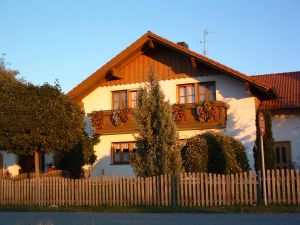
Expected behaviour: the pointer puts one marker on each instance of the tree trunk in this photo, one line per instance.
(36, 162)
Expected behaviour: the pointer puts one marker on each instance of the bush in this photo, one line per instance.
(214, 153)
(195, 155)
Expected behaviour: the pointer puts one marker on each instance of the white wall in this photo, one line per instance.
(240, 115)
(286, 127)
(10, 163)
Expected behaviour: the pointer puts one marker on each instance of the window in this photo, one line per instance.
(119, 99)
(123, 152)
(207, 91)
(204, 90)
(186, 93)
(132, 99)
(283, 155)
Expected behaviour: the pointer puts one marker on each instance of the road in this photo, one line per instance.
(62, 218)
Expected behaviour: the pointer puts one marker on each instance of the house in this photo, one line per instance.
(186, 77)
(285, 116)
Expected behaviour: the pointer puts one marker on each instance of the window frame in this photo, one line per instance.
(186, 96)
(196, 86)
(281, 163)
(207, 93)
(128, 98)
(132, 151)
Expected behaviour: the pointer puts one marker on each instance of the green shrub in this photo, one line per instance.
(194, 155)
(217, 153)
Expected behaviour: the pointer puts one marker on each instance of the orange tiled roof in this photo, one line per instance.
(287, 86)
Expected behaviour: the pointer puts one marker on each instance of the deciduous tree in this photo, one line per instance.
(35, 119)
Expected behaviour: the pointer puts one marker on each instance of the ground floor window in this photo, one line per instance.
(123, 152)
(283, 154)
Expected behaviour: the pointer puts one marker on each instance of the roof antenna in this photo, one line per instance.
(205, 33)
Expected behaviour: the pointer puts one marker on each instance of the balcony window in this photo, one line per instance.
(124, 99)
(119, 99)
(123, 152)
(207, 91)
(132, 99)
(186, 93)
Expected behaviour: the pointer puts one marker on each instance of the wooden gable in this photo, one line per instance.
(166, 64)
(168, 60)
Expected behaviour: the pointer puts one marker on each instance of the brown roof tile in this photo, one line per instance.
(287, 86)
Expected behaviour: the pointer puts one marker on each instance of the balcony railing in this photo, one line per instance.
(190, 122)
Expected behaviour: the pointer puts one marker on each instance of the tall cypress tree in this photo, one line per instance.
(268, 142)
(157, 140)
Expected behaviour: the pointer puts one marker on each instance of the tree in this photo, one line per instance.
(36, 119)
(214, 152)
(157, 140)
(268, 142)
(73, 160)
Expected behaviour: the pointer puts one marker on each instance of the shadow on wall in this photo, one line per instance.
(242, 128)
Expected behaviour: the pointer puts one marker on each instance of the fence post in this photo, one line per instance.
(174, 189)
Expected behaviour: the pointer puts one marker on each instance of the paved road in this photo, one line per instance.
(54, 218)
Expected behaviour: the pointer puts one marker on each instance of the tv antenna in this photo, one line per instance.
(205, 34)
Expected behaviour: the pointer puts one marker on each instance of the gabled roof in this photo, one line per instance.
(287, 86)
(148, 40)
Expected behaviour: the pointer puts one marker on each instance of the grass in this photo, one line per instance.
(158, 209)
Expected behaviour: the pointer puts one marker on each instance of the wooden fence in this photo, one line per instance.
(186, 189)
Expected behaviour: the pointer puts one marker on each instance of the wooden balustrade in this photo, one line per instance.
(190, 123)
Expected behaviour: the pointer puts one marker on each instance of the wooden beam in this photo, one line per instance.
(114, 73)
(193, 61)
(247, 87)
(150, 43)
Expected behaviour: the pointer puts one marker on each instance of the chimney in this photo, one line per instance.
(183, 44)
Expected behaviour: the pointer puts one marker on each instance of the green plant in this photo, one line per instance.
(73, 160)
(205, 111)
(268, 142)
(215, 153)
(157, 141)
(195, 155)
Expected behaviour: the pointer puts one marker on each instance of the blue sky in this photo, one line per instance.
(69, 39)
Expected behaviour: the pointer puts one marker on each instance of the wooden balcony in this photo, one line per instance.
(190, 123)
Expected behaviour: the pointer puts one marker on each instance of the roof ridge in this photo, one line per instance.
(280, 73)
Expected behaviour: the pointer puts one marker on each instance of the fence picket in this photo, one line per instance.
(293, 187)
(288, 186)
(283, 181)
(298, 187)
(278, 186)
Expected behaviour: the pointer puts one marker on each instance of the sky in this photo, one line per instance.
(70, 39)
